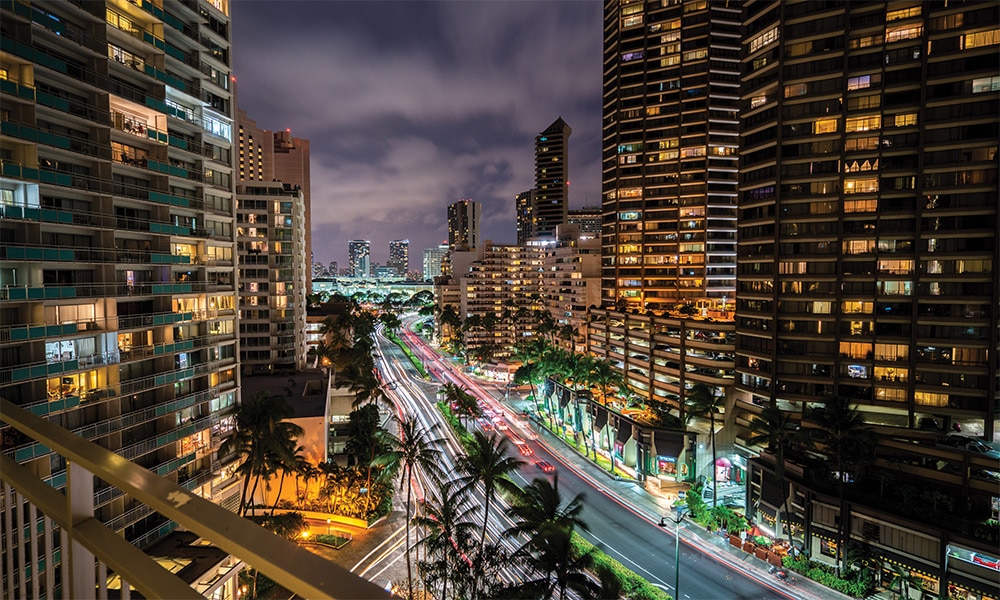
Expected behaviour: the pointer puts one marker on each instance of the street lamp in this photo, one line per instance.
(681, 513)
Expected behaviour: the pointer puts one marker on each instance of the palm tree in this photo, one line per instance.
(904, 579)
(488, 463)
(466, 405)
(773, 428)
(843, 431)
(541, 503)
(702, 402)
(450, 534)
(262, 439)
(411, 449)
(290, 459)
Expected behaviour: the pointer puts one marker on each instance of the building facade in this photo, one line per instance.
(464, 219)
(868, 250)
(359, 255)
(523, 209)
(432, 261)
(571, 282)
(117, 220)
(272, 245)
(550, 198)
(399, 256)
(671, 95)
(588, 219)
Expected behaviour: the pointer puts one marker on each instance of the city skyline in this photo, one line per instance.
(409, 107)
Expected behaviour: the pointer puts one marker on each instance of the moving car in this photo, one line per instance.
(544, 466)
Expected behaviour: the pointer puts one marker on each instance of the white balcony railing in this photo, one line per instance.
(44, 527)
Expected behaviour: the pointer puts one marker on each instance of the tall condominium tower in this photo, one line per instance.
(551, 194)
(266, 155)
(868, 246)
(432, 261)
(523, 209)
(271, 246)
(399, 256)
(463, 225)
(671, 77)
(359, 253)
(117, 285)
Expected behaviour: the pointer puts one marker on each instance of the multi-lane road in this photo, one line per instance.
(627, 534)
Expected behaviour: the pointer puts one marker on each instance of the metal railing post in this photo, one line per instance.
(79, 563)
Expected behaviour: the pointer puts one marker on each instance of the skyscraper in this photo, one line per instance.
(550, 198)
(399, 256)
(524, 209)
(432, 261)
(671, 94)
(359, 254)
(868, 246)
(271, 246)
(118, 279)
(463, 225)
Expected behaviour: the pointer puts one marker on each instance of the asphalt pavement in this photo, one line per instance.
(655, 506)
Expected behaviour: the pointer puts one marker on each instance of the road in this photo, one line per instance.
(623, 533)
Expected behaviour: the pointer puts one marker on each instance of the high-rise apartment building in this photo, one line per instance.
(271, 245)
(118, 281)
(587, 219)
(399, 256)
(463, 225)
(868, 247)
(432, 261)
(671, 93)
(359, 255)
(502, 280)
(550, 198)
(524, 209)
(333, 269)
(571, 282)
(265, 155)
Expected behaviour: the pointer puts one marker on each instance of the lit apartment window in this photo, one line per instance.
(904, 120)
(895, 34)
(825, 126)
(860, 82)
(768, 37)
(903, 13)
(861, 186)
(871, 123)
(860, 206)
(930, 399)
(986, 84)
(981, 38)
(858, 246)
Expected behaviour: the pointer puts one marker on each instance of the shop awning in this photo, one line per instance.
(600, 419)
(668, 444)
(624, 431)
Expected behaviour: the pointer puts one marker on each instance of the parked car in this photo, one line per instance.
(970, 445)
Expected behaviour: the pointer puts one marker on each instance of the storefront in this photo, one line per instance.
(669, 456)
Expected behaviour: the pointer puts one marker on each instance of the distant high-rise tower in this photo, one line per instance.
(523, 208)
(266, 155)
(671, 128)
(359, 252)
(271, 242)
(432, 261)
(333, 269)
(399, 256)
(550, 201)
(588, 219)
(463, 225)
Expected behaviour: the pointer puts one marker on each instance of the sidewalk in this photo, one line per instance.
(653, 506)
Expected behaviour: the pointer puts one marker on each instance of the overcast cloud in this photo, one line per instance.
(410, 106)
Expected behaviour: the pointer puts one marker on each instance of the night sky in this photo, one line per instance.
(410, 106)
